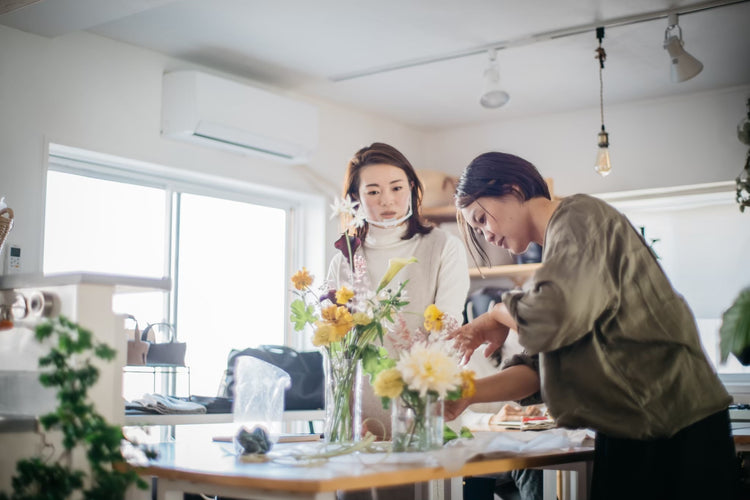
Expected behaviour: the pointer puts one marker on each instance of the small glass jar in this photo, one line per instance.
(417, 423)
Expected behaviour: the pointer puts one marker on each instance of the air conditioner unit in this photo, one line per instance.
(216, 112)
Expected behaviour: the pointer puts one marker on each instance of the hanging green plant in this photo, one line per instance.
(69, 368)
(734, 333)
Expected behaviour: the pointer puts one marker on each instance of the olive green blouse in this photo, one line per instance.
(618, 348)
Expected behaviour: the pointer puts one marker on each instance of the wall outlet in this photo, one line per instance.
(13, 263)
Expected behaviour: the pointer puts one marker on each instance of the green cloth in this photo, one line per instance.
(619, 348)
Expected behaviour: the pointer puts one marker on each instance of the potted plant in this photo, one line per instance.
(734, 333)
(69, 368)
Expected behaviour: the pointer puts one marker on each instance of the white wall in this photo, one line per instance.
(674, 141)
(93, 93)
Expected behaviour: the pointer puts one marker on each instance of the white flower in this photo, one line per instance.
(430, 367)
(344, 206)
(358, 219)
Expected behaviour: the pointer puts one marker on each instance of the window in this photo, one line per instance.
(227, 251)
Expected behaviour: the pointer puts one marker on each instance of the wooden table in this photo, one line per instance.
(207, 468)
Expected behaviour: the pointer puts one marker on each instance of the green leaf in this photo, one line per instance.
(734, 333)
(375, 360)
(301, 314)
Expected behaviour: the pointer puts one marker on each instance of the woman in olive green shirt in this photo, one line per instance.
(618, 348)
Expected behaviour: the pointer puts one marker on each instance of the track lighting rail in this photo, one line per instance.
(539, 37)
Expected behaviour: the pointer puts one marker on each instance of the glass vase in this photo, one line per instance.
(417, 422)
(343, 398)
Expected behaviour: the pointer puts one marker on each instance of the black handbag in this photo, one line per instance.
(307, 391)
(164, 353)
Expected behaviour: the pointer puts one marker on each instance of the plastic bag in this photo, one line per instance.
(258, 397)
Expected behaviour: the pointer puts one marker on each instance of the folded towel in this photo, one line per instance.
(167, 405)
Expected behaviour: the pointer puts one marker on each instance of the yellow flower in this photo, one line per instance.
(394, 266)
(468, 385)
(340, 321)
(302, 279)
(433, 318)
(388, 384)
(322, 335)
(343, 295)
(361, 318)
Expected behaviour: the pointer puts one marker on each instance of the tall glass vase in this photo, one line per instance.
(343, 398)
(417, 422)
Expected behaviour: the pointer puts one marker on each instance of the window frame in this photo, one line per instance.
(305, 222)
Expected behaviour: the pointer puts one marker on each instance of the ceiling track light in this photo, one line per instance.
(545, 36)
(602, 166)
(493, 96)
(684, 66)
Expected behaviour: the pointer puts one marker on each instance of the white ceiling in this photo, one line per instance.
(304, 46)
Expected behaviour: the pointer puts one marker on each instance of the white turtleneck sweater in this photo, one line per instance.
(440, 276)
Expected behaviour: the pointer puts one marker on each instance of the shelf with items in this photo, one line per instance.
(168, 380)
(215, 418)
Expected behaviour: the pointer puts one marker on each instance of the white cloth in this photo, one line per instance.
(168, 405)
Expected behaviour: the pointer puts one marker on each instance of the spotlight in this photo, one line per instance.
(492, 95)
(684, 66)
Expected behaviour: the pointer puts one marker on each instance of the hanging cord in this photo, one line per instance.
(602, 56)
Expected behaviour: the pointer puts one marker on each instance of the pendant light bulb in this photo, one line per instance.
(602, 164)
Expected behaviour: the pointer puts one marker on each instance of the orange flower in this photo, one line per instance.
(340, 321)
(302, 279)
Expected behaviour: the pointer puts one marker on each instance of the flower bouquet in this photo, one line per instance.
(348, 324)
(420, 381)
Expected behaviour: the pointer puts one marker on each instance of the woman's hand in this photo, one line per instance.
(455, 408)
(490, 328)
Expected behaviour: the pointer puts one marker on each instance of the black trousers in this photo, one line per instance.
(699, 462)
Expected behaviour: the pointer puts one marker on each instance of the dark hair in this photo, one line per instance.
(379, 153)
(496, 174)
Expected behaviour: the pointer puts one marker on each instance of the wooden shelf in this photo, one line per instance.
(516, 272)
(440, 215)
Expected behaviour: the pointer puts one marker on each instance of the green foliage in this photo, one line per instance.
(375, 359)
(734, 333)
(70, 370)
(302, 314)
(449, 434)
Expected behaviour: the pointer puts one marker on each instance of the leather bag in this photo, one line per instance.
(305, 369)
(137, 348)
(171, 353)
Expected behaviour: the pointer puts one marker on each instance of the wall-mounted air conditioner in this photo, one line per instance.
(216, 112)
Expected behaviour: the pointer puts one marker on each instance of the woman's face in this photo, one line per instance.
(504, 221)
(384, 192)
